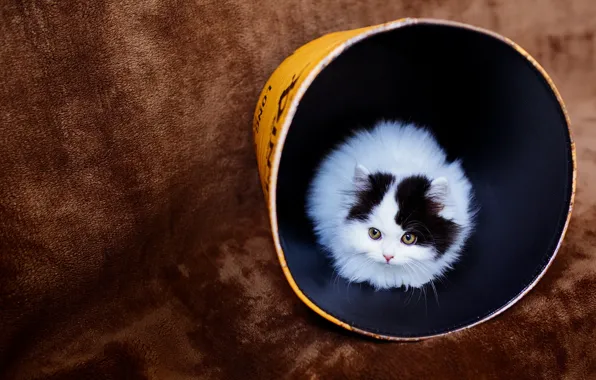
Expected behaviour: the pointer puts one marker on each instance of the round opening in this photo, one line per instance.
(488, 105)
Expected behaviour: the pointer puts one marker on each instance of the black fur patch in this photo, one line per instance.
(420, 214)
(372, 196)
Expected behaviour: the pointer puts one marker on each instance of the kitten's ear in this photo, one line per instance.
(439, 190)
(361, 177)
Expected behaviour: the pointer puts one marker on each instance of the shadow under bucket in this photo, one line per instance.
(487, 102)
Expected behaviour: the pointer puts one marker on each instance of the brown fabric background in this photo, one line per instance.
(134, 241)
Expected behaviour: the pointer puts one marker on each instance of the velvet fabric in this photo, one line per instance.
(134, 239)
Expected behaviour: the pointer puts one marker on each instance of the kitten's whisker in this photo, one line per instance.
(418, 232)
(432, 284)
(409, 268)
(422, 265)
(443, 279)
(367, 263)
(408, 288)
(425, 270)
(417, 223)
(410, 297)
(425, 304)
(335, 277)
(412, 273)
(419, 264)
(408, 218)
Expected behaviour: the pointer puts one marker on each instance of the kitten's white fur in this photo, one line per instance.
(402, 150)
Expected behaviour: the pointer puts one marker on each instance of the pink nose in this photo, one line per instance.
(388, 257)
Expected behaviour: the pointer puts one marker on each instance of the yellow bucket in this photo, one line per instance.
(516, 92)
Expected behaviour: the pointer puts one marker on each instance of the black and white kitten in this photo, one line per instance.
(389, 208)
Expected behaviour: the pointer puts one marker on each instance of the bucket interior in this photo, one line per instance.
(488, 105)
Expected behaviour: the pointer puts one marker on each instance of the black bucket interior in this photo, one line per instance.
(489, 106)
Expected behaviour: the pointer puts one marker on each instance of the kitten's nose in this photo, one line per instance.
(388, 257)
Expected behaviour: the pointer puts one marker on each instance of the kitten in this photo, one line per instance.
(389, 208)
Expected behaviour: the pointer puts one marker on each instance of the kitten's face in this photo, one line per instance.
(400, 222)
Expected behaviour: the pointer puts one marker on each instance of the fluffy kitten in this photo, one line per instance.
(389, 208)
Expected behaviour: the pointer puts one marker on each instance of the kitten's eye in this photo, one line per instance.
(374, 233)
(408, 238)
